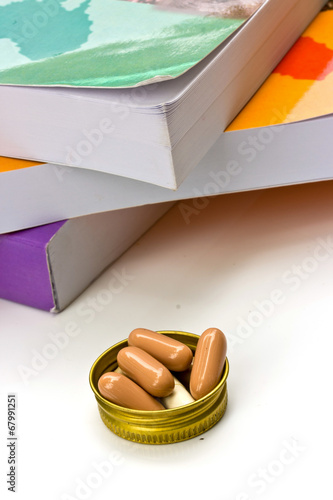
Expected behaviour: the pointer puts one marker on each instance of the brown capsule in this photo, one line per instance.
(175, 355)
(208, 362)
(146, 371)
(122, 391)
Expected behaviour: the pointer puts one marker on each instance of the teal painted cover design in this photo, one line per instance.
(110, 43)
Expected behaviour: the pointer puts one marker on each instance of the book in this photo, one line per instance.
(270, 155)
(47, 267)
(111, 43)
(156, 133)
(297, 153)
(301, 85)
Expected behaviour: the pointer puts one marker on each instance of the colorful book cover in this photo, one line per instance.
(8, 164)
(301, 86)
(24, 271)
(111, 43)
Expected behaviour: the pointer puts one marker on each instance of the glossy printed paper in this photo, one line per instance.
(301, 86)
(111, 43)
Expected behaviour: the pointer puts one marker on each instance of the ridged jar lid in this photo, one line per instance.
(163, 426)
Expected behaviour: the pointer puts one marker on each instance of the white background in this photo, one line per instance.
(220, 268)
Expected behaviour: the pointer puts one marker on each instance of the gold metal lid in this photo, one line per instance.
(163, 426)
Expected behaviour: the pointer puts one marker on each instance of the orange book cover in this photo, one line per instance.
(7, 164)
(301, 86)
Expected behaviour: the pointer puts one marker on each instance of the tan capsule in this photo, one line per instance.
(208, 362)
(146, 371)
(122, 391)
(175, 355)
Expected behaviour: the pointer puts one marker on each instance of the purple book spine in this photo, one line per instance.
(24, 273)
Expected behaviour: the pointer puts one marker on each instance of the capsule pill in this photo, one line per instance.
(119, 389)
(175, 355)
(146, 371)
(208, 362)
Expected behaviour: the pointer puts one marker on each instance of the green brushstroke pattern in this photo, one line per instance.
(44, 28)
(120, 64)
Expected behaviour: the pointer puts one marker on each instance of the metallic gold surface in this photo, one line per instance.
(164, 426)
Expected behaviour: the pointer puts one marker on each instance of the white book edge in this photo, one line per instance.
(286, 154)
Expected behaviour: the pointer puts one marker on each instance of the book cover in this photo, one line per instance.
(8, 164)
(301, 86)
(47, 267)
(24, 272)
(111, 43)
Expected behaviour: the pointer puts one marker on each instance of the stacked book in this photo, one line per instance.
(111, 111)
